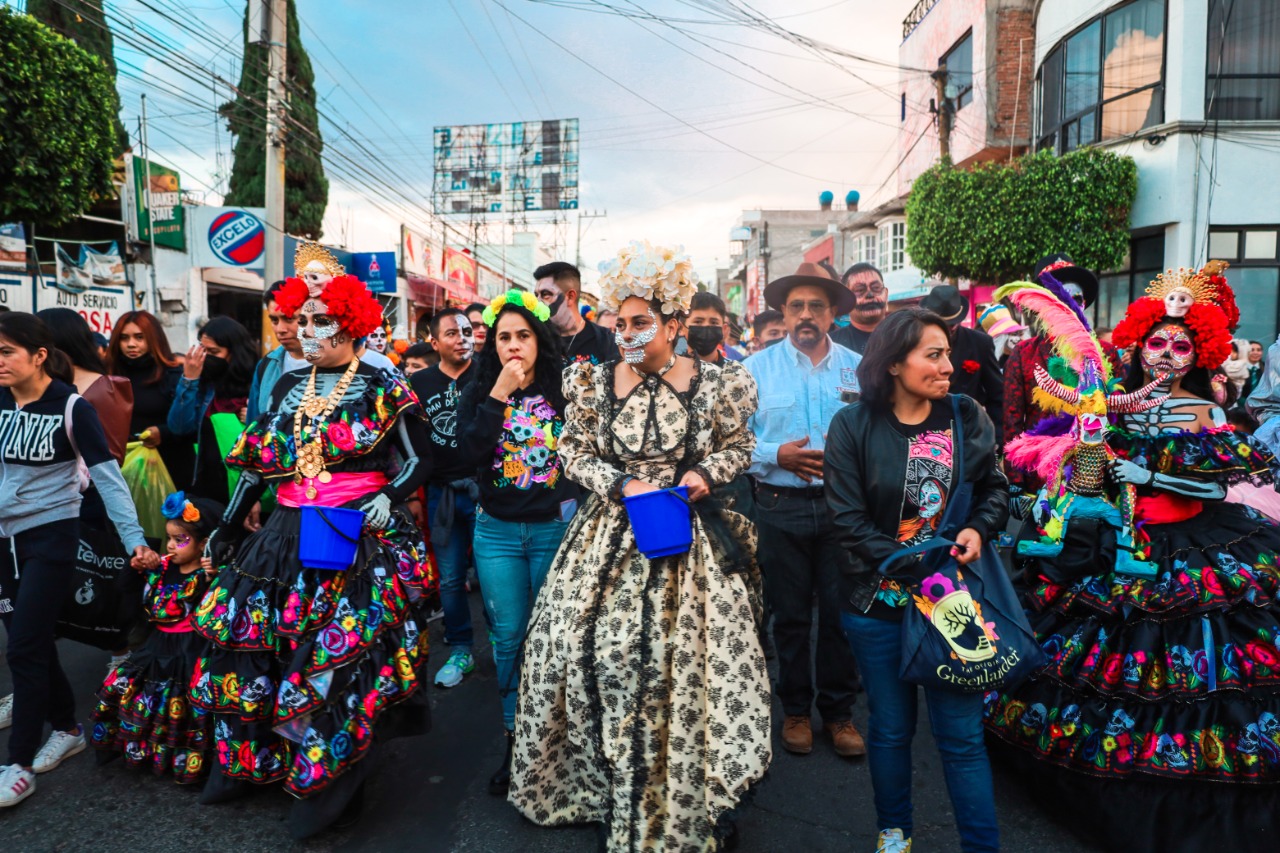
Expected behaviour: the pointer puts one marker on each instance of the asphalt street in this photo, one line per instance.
(430, 794)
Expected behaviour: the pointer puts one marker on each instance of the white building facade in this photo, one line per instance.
(1191, 90)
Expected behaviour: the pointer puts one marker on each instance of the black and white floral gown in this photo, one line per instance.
(644, 699)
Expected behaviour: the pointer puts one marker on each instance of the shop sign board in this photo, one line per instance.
(228, 236)
(13, 246)
(166, 214)
(375, 269)
(100, 305)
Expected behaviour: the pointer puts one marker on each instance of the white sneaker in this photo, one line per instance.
(59, 746)
(16, 785)
(6, 711)
(891, 841)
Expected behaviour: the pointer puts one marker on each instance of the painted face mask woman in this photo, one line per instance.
(601, 651)
(297, 710)
(1162, 676)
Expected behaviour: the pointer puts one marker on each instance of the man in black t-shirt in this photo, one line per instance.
(451, 507)
(559, 285)
(871, 305)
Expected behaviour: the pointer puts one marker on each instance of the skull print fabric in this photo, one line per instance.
(526, 455)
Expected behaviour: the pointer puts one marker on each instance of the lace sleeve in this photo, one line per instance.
(731, 440)
(579, 447)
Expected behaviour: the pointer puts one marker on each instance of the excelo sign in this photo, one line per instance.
(228, 236)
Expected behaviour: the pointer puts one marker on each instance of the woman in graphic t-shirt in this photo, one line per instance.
(511, 418)
(888, 473)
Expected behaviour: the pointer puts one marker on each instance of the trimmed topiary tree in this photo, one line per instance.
(306, 189)
(992, 223)
(57, 124)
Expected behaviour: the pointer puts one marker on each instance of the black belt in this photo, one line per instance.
(810, 492)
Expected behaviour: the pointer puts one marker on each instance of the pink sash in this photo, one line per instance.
(341, 489)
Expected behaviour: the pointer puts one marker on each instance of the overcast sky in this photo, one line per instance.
(719, 117)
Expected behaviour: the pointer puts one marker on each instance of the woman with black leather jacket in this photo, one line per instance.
(888, 473)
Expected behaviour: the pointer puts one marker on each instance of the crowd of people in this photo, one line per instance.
(509, 450)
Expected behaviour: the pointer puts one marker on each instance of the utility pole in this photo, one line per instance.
(277, 31)
(582, 214)
(151, 217)
(943, 109)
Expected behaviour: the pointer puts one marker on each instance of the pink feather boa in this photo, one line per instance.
(1039, 454)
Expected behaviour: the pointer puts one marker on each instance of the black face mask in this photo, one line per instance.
(215, 367)
(772, 342)
(705, 339)
(142, 362)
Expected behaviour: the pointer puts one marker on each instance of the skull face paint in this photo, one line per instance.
(1168, 352)
(377, 340)
(314, 327)
(633, 347)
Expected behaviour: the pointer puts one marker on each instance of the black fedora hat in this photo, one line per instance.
(809, 275)
(1065, 270)
(947, 302)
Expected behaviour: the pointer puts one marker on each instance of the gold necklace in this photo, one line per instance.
(310, 456)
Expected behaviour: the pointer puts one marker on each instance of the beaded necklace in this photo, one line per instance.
(310, 464)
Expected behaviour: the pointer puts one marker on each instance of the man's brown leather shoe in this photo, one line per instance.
(797, 735)
(847, 739)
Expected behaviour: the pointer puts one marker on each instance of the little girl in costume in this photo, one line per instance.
(142, 709)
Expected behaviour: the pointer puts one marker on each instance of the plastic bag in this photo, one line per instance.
(149, 483)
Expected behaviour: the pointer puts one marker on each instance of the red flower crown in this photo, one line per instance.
(346, 298)
(1209, 320)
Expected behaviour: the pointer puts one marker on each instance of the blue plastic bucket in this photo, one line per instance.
(661, 521)
(329, 537)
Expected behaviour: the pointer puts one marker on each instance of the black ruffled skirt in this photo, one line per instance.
(1156, 722)
(301, 667)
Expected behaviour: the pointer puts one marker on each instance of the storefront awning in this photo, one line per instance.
(438, 293)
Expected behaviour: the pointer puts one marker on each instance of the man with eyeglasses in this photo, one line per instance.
(802, 382)
(870, 306)
(558, 285)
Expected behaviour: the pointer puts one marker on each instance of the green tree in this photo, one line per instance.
(306, 187)
(992, 223)
(56, 135)
(85, 24)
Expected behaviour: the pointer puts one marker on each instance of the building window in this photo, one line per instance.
(1117, 289)
(864, 249)
(959, 62)
(1254, 275)
(1243, 65)
(1105, 80)
(893, 246)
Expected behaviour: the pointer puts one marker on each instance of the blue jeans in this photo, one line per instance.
(451, 561)
(956, 720)
(512, 560)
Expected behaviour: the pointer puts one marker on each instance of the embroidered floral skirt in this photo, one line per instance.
(301, 664)
(644, 700)
(1165, 691)
(142, 710)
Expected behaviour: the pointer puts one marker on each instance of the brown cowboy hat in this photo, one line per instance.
(809, 275)
(946, 301)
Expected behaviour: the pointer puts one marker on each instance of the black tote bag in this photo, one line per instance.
(964, 629)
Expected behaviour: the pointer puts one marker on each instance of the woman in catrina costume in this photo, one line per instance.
(1155, 724)
(307, 670)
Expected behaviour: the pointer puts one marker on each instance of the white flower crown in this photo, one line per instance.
(650, 272)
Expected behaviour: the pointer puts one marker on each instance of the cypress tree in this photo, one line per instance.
(306, 187)
(87, 27)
